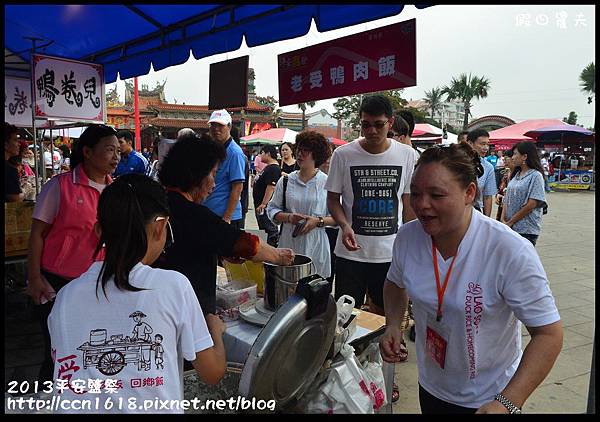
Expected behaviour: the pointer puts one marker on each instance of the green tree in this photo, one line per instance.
(434, 100)
(587, 81)
(465, 88)
(572, 119)
(302, 106)
(347, 107)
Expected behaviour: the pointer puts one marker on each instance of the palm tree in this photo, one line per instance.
(302, 106)
(587, 81)
(465, 88)
(433, 99)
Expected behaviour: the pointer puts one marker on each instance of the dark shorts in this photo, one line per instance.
(531, 237)
(432, 405)
(355, 278)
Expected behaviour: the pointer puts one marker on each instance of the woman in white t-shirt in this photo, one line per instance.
(472, 282)
(126, 326)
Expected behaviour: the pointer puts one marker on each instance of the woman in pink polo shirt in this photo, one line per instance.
(62, 240)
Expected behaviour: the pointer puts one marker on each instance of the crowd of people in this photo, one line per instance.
(381, 221)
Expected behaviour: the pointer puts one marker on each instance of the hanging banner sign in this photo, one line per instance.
(377, 60)
(68, 89)
(17, 101)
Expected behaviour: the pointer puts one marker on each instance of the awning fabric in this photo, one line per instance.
(512, 134)
(127, 39)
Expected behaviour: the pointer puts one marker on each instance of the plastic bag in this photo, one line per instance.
(349, 387)
(373, 367)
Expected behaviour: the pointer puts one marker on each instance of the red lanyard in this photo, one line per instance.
(440, 289)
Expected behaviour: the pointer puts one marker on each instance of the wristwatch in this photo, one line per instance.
(321, 222)
(512, 409)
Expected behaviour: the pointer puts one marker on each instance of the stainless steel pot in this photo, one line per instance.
(281, 281)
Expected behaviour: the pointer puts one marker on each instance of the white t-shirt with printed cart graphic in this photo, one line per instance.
(132, 344)
(371, 188)
(497, 283)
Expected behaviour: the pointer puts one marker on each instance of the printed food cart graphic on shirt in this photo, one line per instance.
(375, 208)
(110, 356)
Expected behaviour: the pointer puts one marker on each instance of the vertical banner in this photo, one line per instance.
(377, 60)
(68, 89)
(17, 101)
(247, 127)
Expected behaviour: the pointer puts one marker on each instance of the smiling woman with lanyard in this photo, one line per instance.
(468, 311)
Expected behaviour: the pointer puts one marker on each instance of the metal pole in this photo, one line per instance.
(35, 145)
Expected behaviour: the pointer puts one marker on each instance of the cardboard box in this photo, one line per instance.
(369, 320)
(16, 242)
(17, 225)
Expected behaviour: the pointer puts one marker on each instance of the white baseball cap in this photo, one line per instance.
(220, 116)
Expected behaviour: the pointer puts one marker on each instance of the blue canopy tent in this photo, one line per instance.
(126, 39)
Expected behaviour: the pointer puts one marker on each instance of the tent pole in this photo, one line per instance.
(36, 152)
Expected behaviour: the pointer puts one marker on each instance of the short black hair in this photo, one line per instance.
(125, 134)
(190, 160)
(269, 149)
(410, 120)
(474, 134)
(376, 105)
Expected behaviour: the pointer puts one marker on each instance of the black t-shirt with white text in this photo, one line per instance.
(268, 177)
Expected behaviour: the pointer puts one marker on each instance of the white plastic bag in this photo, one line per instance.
(346, 389)
(373, 367)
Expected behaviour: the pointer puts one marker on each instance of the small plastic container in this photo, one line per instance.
(231, 295)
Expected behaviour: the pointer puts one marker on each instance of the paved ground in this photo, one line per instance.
(566, 247)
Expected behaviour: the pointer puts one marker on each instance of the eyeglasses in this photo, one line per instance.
(170, 238)
(377, 125)
(392, 135)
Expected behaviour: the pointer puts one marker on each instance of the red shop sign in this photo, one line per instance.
(377, 60)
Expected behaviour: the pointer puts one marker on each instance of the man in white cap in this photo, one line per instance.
(229, 181)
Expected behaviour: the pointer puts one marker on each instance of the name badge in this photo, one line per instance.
(436, 342)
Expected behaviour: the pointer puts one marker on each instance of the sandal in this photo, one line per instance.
(403, 343)
(395, 393)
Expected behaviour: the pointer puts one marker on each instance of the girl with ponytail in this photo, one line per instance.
(142, 321)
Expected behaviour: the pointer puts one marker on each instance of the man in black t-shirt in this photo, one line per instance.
(264, 186)
(12, 184)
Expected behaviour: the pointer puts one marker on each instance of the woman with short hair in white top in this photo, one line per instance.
(468, 310)
(305, 214)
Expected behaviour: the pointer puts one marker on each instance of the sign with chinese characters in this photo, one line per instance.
(68, 89)
(17, 102)
(377, 60)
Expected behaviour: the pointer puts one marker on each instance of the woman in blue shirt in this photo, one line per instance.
(525, 196)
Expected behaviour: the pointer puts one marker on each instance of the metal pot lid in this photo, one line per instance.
(289, 351)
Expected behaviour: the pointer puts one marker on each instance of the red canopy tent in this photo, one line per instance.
(508, 136)
(337, 142)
